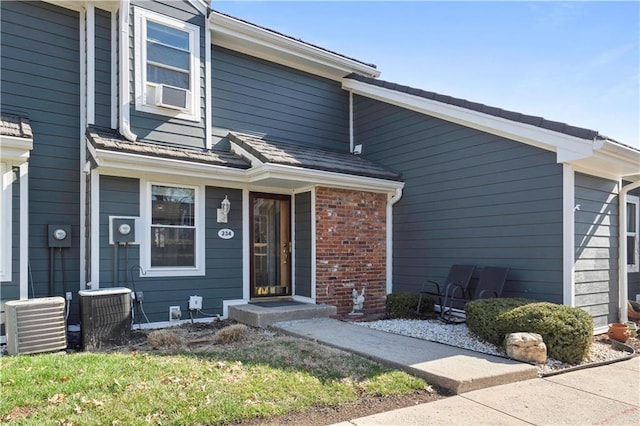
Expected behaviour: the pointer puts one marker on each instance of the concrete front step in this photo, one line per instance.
(263, 315)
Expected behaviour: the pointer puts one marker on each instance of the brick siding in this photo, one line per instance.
(350, 248)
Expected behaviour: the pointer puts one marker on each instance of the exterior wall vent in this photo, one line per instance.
(105, 316)
(36, 325)
(172, 97)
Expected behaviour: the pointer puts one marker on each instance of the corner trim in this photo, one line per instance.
(568, 236)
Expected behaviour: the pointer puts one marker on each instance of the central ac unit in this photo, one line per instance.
(35, 325)
(172, 97)
(106, 317)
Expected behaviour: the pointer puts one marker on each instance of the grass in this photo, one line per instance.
(219, 386)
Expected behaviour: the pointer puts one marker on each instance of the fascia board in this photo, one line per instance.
(140, 163)
(323, 178)
(568, 147)
(68, 4)
(245, 38)
(15, 150)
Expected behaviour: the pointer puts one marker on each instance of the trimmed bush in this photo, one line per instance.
(482, 317)
(567, 331)
(403, 305)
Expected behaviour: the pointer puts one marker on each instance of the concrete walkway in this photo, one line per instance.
(458, 370)
(491, 390)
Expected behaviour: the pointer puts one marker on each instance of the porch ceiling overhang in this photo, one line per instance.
(16, 138)
(612, 160)
(251, 162)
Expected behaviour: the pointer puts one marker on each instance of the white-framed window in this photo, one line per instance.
(167, 74)
(633, 233)
(173, 218)
(6, 177)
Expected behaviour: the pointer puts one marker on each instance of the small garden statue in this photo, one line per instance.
(358, 302)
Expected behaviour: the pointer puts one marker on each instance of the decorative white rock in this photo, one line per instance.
(526, 347)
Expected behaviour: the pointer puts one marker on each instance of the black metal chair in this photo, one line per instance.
(490, 284)
(458, 274)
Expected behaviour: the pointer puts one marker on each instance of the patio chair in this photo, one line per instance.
(491, 283)
(458, 274)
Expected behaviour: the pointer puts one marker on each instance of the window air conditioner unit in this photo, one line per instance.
(35, 325)
(172, 97)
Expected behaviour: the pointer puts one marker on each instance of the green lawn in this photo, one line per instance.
(220, 386)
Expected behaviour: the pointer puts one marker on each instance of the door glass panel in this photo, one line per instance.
(270, 247)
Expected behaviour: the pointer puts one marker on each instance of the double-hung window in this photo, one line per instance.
(633, 233)
(167, 66)
(174, 243)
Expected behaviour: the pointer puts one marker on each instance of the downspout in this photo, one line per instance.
(351, 136)
(208, 107)
(123, 68)
(392, 199)
(622, 252)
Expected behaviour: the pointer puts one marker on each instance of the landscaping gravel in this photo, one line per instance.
(460, 336)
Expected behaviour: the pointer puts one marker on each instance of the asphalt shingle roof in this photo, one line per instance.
(541, 122)
(16, 125)
(111, 140)
(276, 152)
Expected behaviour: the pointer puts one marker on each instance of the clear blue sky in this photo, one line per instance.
(575, 62)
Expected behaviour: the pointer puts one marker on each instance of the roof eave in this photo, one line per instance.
(243, 37)
(15, 150)
(598, 154)
(310, 177)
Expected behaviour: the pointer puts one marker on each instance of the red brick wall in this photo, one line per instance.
(350, 248)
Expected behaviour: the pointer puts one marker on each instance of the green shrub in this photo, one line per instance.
(567, 331)
(482, 317)
(403, 305)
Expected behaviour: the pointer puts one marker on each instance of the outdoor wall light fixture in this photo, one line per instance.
(223, 211)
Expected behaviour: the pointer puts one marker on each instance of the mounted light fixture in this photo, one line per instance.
(223, 211)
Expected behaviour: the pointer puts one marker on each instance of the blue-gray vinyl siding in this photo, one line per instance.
(40, 77)
(303, 218)
(103, 69)
(596, 248)
(250, 94)
(163, 129)
(223, 277)
(469, 197)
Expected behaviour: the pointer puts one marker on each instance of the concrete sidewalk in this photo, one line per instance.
(458, 370)
(490, 390)
(605, 395)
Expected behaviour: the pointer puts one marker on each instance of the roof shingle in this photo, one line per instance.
(277, 152)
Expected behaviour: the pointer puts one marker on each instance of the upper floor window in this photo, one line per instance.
(167, 66)
(173, 244)
(633, 232)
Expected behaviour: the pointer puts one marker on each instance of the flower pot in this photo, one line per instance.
(618, 331)
(633, 329)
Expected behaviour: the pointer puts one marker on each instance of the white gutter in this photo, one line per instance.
(391, 201)
(253, 40)
(123, 117)
(351, 134)
(622, 251)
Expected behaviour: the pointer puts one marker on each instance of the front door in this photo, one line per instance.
(270, 245)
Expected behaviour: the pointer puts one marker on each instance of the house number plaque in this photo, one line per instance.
(225, 233)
